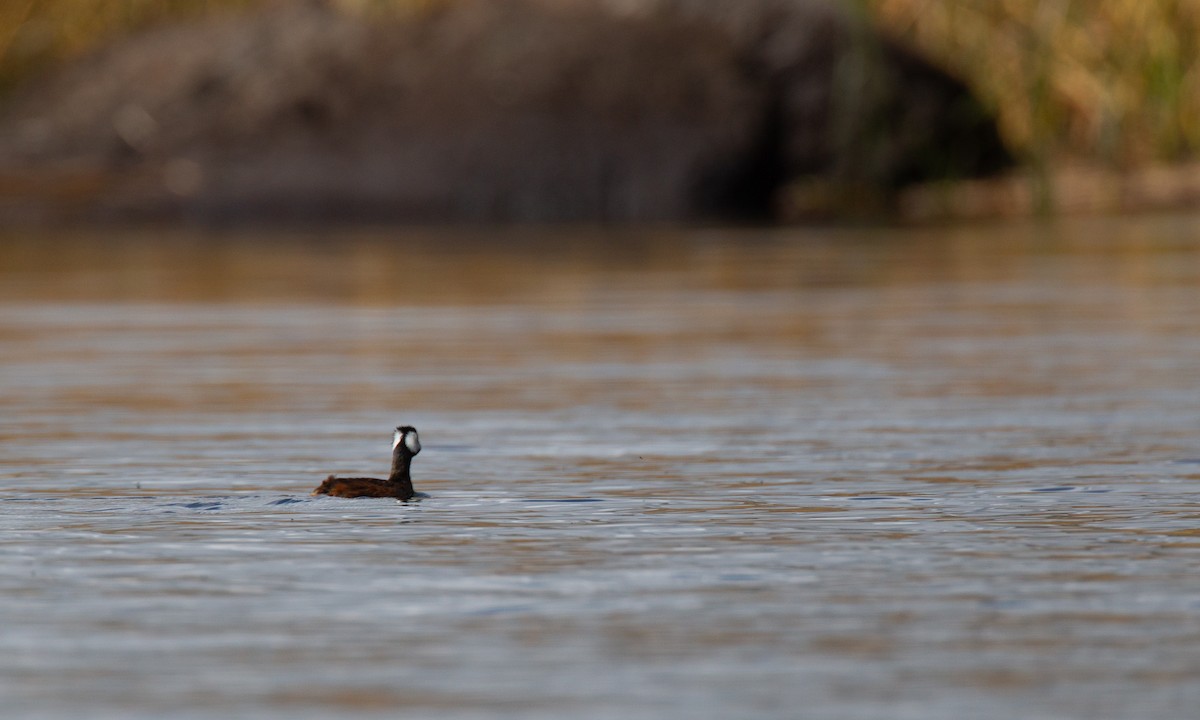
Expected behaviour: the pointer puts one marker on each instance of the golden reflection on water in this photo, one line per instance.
(434, 266)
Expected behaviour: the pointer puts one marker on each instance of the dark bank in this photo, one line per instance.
(472, 111)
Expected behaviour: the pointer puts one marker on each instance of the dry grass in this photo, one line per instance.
(1116, 81)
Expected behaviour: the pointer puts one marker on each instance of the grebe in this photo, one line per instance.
(405, 444)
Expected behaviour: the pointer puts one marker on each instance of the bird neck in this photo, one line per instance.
(401, 461)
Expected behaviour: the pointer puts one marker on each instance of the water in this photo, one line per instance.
(710, 474)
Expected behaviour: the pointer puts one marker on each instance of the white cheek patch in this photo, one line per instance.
(396, 437)
(412, 442)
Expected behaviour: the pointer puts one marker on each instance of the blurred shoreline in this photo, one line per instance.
(550, 111)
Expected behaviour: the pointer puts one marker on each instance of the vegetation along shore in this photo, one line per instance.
(593, 110)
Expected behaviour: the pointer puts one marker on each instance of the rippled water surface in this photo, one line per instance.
(709, 474)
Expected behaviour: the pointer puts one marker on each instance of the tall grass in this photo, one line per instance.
(1116, 81)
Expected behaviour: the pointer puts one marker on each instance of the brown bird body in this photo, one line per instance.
(398, 485)
(349, 487)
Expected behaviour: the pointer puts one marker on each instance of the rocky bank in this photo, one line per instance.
(486, 111)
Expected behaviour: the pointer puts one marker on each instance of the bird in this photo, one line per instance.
(405, 445)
